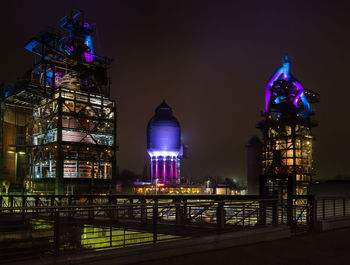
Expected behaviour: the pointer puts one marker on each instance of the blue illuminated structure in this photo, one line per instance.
(69, 136)
(77, 45)
(164, 146)
(287, 165)
(283, 91)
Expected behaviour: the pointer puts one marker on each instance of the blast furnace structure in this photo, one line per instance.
(287, 165)
(69, 135)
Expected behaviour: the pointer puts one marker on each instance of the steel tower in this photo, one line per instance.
(70, 143)
(287, 165)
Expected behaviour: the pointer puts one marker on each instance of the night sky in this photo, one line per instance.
(210, 60)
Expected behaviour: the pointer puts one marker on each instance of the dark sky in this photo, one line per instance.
(210, 60)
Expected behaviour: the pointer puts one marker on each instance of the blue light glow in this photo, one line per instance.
(89, 57)
(164, 144)
(297, 92)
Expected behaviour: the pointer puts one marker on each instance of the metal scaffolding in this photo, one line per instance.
(287, 165)
(70, 135)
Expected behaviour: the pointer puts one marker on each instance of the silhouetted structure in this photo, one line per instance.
(254, 169)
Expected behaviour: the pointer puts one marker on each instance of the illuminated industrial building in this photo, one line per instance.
(164, 146)
(287, 165)
(67, 126)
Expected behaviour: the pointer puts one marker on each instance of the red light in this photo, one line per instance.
(160, 185)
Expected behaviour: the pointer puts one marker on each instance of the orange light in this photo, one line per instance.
(159, 185)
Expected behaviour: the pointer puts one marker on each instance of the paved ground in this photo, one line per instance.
(332, 247)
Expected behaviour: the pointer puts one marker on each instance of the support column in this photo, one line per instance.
(157, 168)
(50, 167)
(220, 215)
(171, 170)
(290, 193)
(114, 158)
(77, 168)
(105, 171)
(179, 212)
(40, 169)
(59, 183)
(92, 190)
(164, 169)
(152, 176)
(175, 168)
(143, 211)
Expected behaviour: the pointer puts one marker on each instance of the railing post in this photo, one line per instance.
(143, 212)
(155, 222)
(11, 203)
(110, 236)
(290, 211)
(184, 212)
(312, 212)
(91, 208)
(117, 213)
(111, 212)
(316, 210)
(52, 202)
(23, 206)
(179, 213)
(220, 216)
(262, 213)
(70, 208)
(344, 213)
(333, 207)
(130, 209)
(274, 213)
(243, 214)
(36, 205)
(57, 233)
(323, 209)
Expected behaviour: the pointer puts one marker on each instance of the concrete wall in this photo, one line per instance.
(333, 223)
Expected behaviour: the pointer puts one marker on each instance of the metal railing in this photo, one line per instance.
(43, 237)
(51, 225)
(221, 211)
(48, 224)
(328, 207)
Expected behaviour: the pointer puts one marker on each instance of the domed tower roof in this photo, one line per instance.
(163, 132)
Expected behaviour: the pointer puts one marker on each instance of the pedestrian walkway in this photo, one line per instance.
(318, 248)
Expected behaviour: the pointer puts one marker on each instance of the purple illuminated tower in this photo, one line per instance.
(288, 119)
(164, 146)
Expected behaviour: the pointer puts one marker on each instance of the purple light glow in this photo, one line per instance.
(164, 168)
(172, 169)
(164, 143)
(164, 171)
(284, 73)
(162, 153)
(89, 57)
(176, 176)
(157, 170)
(275, 76)
(300, 92)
